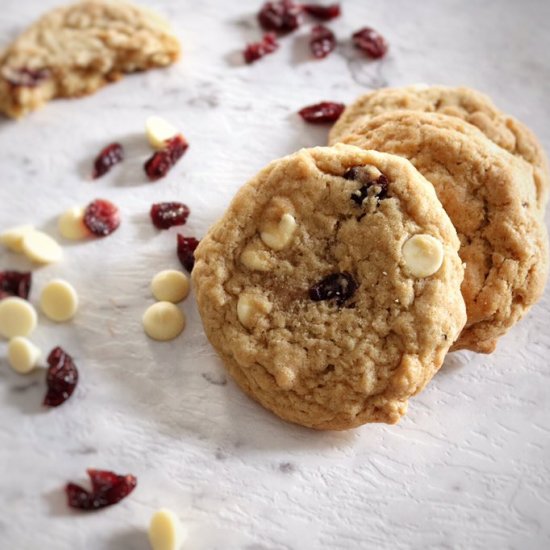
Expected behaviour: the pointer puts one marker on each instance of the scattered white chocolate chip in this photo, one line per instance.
(17, 317)
(41, 248)
(13, 238)
(23, 355)
(166, 531)
(253, 260)
(170, 286)
(277, 236)
(250, 307)
(59, 301)
(423, 255)
(163, 321)
(159, 131)
(71, 224)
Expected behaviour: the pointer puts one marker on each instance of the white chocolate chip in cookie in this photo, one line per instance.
(59, 301)
(170, 286)
(23, 355)
(13, 238)
(255, 258)
(159, 131)
(166, 531)
(278, 236)
(163, 321)
(251, 307)
(41, 248)
(17, 317)
(71, 224)
(423, 255)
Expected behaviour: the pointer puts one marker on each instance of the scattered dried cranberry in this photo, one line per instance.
(336, 286)
(268, 44)
(370, 42)
(107, 158)
(101, 217)
(186, 251)
(108, 488)
(61, 379)
(323, 13)
(326, 111)
(167, 214)
(281, 16)
(357, 173)
(15, 283)
(162, 161)
(25, 77)
(322, 41)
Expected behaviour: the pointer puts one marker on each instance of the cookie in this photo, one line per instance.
(331, 286)
(465, 103)
(489, 196)
(74, 50)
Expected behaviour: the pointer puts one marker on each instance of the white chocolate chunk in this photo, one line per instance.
(59, 301)
(41, 248)
(71, 224)
(253, 260)
(166, 531)
(163, 321)
(13, 238)
(17, 317)
(23, 355)
(277, 236)
(170, 286)
(250, 308)
(159, 131)
(423, 255)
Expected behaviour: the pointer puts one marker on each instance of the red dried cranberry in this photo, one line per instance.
(15, 283)
(167, 214)
(25, 77)
(108, 488)
(107, 158)
(268, 44)
(326, 111)
(358, 173)
(101, 217)
(370, 42)
(61, 379)
(282, 16)
(162, 161)
(336, 286)
(186, 251)
(323, 13)
(322, 41)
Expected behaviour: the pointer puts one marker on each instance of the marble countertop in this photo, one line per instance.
(467, 468)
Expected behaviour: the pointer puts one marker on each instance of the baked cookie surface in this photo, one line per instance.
(74, 50)
(490, 199)
(331, 286)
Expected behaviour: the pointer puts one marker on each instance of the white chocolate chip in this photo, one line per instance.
(17, 317)
(159, 131)
(71, 224)
(250, 307)
(279, 235)
(170, 286)
(59, 301)
(13, 238)
(254, 259)
(23, 355)
(163, 321)
(423, 255)
(166, 531)
(41, 248)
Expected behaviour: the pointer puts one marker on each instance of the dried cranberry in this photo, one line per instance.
(167, 214)
(322, 41)
(323, 13)
(61, 379)
(336, 286)
(162, 161)
(108, 488)
(358, 173)
(281, 16)
(107, 158)
(25, 77)
(268, 44)
(101, 217)
(370, 42)
(326, 111)
(186, 251)
(15, 283)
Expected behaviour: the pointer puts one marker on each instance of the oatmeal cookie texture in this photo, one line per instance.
(461, 102)
(306, 292)
(74, 50)
(490, 199)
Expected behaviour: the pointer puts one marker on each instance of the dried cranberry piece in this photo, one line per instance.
(326, 111)
(25, 77)
(15, 283)
(268, 44)
(336, 286)
(282, 16)
(108, 488)
(101, 217)
(186, 251)
(371, 42)
(167, 214)
(162, 161)
(107, 158)
(323, 13)
(322, 41)
(61, 379)
(358, 173)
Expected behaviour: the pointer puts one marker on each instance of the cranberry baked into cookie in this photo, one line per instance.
(331, 286)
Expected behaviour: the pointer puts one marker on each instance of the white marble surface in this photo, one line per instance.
(468, 468)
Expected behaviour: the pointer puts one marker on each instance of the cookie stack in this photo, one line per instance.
(340, 277)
